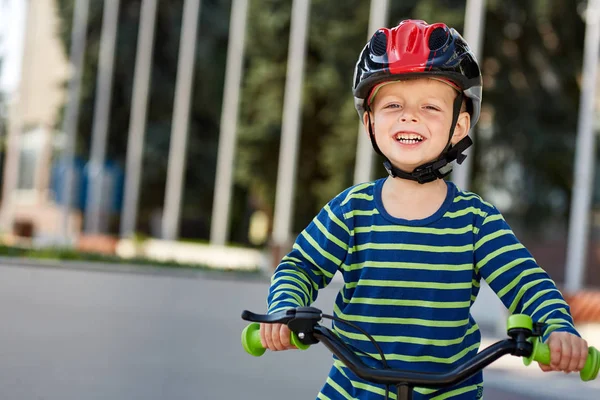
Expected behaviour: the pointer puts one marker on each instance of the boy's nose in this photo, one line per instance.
(408, 117)
(405, 119)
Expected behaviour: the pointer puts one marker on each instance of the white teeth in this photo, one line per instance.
(408, 137)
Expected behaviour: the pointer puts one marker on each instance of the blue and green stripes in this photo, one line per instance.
(410, 283)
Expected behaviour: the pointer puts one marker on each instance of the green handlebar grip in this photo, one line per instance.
(541, 353)
(253, 346)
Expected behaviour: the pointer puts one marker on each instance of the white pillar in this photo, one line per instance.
(474, 29)
(219, 227)
(363, 168)
(77, 53)
(181, 112)
(579, 223)
(108, 37)
(292, 108)
(18, 98)
(137, 121)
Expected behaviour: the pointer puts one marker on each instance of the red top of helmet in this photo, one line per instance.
(408, 46)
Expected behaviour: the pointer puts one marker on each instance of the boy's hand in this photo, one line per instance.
(567, 353)
(275, 337)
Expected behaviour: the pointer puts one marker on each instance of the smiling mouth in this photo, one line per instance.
(409, 138)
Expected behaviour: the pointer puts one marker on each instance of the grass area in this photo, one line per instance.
(67, 254)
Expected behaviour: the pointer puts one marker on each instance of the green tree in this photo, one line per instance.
(335, 31)
(205, 111)
(532, 67)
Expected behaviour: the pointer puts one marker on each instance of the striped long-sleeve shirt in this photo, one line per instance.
(411, 283)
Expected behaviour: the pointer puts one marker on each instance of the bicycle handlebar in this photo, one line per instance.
(303, 322)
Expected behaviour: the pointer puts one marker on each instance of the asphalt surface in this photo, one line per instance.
(72, 334)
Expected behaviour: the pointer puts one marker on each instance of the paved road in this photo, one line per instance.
(73, 335)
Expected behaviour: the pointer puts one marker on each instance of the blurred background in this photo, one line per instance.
(211, 132)
(104, 97)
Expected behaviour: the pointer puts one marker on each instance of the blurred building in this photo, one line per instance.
(28, 206)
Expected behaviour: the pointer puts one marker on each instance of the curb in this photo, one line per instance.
(124, 268)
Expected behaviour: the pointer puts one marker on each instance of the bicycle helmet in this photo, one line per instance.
(415, 49)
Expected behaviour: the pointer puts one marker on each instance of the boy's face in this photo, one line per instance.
(411, 121)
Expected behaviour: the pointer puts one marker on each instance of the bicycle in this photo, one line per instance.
(303, 322)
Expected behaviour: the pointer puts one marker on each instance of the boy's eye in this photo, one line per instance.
(430, 107)
(393, 105)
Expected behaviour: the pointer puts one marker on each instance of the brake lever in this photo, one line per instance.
(280, 317)
(299, 315)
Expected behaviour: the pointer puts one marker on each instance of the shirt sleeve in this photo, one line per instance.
(315, 258)
(512, 272)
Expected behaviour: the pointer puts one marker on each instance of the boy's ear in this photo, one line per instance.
(463, 125)
(366, 121)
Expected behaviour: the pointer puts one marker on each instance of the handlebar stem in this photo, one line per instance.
(523, 346)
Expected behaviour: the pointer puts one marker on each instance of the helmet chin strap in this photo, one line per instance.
(438, 168)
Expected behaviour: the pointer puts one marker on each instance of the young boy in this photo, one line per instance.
(413, 248)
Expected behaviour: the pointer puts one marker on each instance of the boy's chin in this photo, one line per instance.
(409, 165)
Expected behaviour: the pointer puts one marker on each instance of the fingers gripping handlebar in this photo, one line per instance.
(253, 346)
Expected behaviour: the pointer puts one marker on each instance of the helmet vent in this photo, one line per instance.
(437, 38)
(379, 44)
